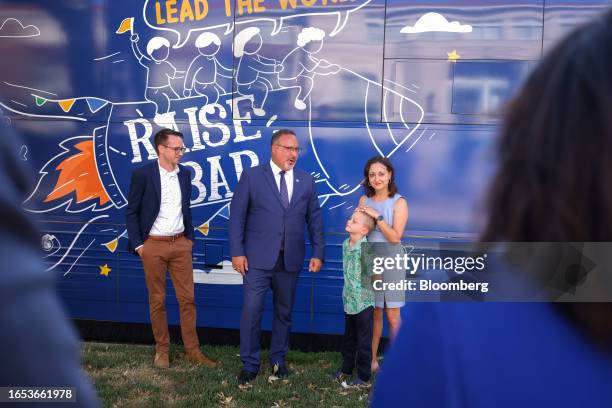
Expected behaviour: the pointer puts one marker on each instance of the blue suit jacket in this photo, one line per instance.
(258, 220)
(144, 200)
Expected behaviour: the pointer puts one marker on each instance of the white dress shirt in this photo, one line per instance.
(288, 178)
(169, 220)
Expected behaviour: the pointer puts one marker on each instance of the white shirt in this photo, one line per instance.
(169, 220)
(288, 178)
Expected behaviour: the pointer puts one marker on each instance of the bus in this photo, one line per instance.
(86, 84)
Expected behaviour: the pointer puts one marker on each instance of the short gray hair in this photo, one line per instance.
(276, 135)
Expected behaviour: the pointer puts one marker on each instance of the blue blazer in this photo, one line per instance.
(258, 220)
(143, 203)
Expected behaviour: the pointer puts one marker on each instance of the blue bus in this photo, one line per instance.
(87, 84)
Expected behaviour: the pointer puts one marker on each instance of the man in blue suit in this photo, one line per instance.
(271, 206)
(160, 232)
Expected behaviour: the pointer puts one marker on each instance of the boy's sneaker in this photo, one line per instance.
(358, 382)
(341, 376)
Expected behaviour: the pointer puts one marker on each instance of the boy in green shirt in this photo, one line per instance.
(358, 301)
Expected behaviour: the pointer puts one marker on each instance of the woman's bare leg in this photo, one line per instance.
(394, 318)
(376, 334)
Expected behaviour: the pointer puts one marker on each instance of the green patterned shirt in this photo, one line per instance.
(357, 293)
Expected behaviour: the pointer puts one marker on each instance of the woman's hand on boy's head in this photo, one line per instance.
(370, 211)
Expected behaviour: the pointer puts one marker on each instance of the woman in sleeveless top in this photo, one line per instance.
(390, 211)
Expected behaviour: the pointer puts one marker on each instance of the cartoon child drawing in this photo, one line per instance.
(300, 66)
(202, 72)
(249, 78)
(159, 73)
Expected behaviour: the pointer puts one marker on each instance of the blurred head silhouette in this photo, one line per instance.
(554, 181)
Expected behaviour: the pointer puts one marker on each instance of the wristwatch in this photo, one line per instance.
(379, 218)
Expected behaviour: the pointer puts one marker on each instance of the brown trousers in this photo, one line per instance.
(175, 257)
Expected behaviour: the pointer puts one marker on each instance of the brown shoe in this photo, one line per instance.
(197, 357)
(161, 360)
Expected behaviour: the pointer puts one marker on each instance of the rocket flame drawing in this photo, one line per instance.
(78, 174)
(70, 180)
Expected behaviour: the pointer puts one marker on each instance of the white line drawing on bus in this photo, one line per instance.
(23, 153)
(201, 75)
(13, 28)
(159, 72)
(252, 68)
(74, 240)
(50, 245)
(306, 66)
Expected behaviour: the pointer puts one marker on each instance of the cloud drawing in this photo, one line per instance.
(436, 22)
(13, 28)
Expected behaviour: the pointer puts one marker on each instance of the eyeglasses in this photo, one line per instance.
(177, 150)
(292, 149)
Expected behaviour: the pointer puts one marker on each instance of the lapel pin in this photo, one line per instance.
(297, 180)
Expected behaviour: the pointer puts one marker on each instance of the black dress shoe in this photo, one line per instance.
(282, 371)
(246, 376)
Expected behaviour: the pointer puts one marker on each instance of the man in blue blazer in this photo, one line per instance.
(159, 227)
(271, 206)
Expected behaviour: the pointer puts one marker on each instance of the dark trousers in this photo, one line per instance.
(357, 343)
(255, 285)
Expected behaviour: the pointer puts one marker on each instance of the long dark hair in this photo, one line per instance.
(369, 190)
(554, 180)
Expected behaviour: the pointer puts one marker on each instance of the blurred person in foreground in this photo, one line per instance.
(553, 183)
(38, 346)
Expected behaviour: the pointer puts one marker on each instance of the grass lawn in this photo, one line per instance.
(124, 376)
